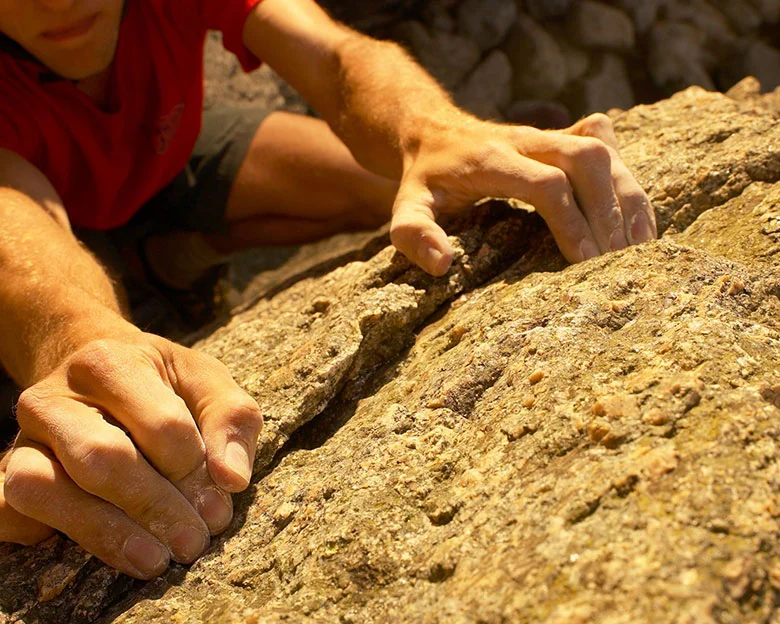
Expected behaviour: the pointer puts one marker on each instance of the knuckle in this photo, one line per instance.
(217, 367)
(403, 234)
(245, 411)
(31, 406)
(636, 198)
(98, 359)
(102, 460)
(597, 121)
(24, 477)
(173, 425)
(570, 228)
(593, 151)
(491, 154)
(553, 184)
(147, 504)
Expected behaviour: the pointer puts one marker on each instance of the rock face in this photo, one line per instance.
(518, 441)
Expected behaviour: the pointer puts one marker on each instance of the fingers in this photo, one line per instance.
(574, 178)
(16, 527)
(414, 230)
(126, 385)
(38, 487)
(638, 214)
(545, 187)
(549, 190)
(587, 163)
(102, 460)
(597, 125)
(158, 420)
(615, 206)
(229, 419)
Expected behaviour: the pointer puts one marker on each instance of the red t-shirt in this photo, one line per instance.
(106, 165)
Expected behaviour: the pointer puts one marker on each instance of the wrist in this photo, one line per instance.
(68, 331)
(437, 132)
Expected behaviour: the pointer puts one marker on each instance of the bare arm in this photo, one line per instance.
(54, 295)
(129, 443)
(398, 122)
(373, 95)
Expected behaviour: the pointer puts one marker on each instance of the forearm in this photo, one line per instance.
(371, 93)
(54, 295)
(387, 104)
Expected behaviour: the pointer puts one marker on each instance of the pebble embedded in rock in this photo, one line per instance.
(535, 377)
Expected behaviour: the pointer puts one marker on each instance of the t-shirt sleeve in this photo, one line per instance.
(229, 17)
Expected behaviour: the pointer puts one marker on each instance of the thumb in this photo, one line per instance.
(228, 418)
(414, 230)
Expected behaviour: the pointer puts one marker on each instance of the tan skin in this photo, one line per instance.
(130, 444)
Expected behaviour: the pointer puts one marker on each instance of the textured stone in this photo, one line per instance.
(486, 21)
(719, 35)
(677, 58)
(605, 86)
(642, 12)
(518, 441)
(577, 59)
(448, 57)
(600, 26)
(369, 14)
(437, 14)
(748, 91)
(743, 16)
(544, 9)
(539, 68)
(769, 9)
(224, 81)
(752, 58)
(489, 88)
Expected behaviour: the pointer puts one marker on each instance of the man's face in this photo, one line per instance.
(74, 38)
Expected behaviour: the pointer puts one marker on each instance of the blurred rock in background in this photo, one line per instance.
(520, 60)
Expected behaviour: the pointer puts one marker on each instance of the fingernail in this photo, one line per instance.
(617, 240)
(186, 543)
(640, 228)
(436, 262)
(237, 459)
(215, 509)
(150, 558)
(588, 249)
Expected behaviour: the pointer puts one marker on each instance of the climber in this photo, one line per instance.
(130, 444)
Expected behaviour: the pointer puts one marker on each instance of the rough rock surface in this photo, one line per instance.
(519, 441)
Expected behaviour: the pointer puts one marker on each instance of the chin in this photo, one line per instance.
(80, 66)
(80, 60)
